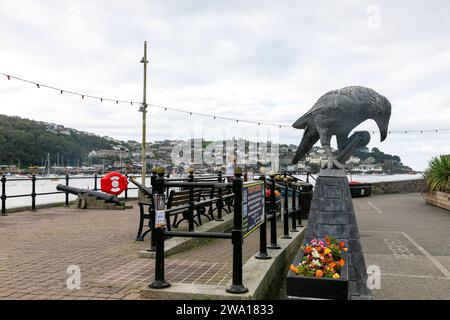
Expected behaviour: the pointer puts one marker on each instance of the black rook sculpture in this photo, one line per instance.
(337, 113)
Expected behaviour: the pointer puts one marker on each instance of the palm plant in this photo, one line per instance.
(437, 176)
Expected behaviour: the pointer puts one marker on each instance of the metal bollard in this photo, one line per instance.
(66, 204)
(33, 193)
(237, 286)
(126, 190)
(286, 211)
(262, 254)
(3, 197)
(95, 181)
(273, 213)
(191, 202)
(294, 210)
(159, 282)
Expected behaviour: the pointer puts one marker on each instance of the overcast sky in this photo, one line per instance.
(257, 60)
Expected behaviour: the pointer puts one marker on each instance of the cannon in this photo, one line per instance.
(92, 199)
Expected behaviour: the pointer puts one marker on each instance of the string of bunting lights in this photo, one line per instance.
(190, 113)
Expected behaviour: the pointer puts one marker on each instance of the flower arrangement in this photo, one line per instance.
(277, 193)
(321, 260)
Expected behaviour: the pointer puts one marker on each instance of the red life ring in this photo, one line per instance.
(114, 183)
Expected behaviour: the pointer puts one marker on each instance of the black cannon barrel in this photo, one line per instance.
(147, 190)
(99, 195)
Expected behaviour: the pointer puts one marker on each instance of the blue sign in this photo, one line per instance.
(253, 200)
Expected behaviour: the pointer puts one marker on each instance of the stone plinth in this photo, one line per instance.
(332, 214)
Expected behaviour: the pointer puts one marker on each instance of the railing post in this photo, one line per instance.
(3, 195)
(262, 254)
(307, 176)
(286, 210)
(167, 189)
(191, 201)
(67, 194)
(273, 213)
(236, 234)
(33, 192)
(95, 181)
(126, 190)
(294, 209)
(219, 203)
(300, 208)
(152, 212)
(159, 282)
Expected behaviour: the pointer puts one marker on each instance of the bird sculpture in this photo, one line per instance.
(337, 113)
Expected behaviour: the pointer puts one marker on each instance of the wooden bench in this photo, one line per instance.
(144, 216)
(181, 199)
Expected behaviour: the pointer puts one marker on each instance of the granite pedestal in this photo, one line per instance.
(332, 214)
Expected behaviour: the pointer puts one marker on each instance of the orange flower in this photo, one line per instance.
(345, 249)
(341, 262)
(327, 240)
(319, 273)
(293, 268)
(341, 244)
(308, 249)
(333, 265)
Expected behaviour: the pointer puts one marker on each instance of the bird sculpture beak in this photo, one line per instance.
(383, 126)
(297, 123)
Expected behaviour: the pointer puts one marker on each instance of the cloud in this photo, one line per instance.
(257, 60)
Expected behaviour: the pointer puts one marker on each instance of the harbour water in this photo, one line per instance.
(24, 187)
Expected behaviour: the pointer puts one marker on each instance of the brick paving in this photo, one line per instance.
(36, 248)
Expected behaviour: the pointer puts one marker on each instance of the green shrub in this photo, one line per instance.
(437, 176)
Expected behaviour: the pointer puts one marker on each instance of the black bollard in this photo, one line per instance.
(33, 193)
(3, 195)
(236, 234)
(151, 211)
(158, 190)
(286, 211)
(262, 254)
(95, 181)
(300, 208)
(191, 201)
(273, 216)
(66, 203)
(219, 203)
(294, 209)
(159, 282)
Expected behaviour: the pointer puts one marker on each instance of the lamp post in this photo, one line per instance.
(143, 109)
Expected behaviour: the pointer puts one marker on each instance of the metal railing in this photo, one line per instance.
(31, 180)
(237, 234)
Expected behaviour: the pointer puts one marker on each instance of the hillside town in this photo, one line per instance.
(162, 153)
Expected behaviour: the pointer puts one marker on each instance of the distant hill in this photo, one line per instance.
(30, 141)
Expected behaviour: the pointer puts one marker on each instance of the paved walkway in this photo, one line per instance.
(406, 238)
(37, 248)
(410, 242)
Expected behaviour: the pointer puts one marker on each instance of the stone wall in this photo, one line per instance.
(404, 186)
